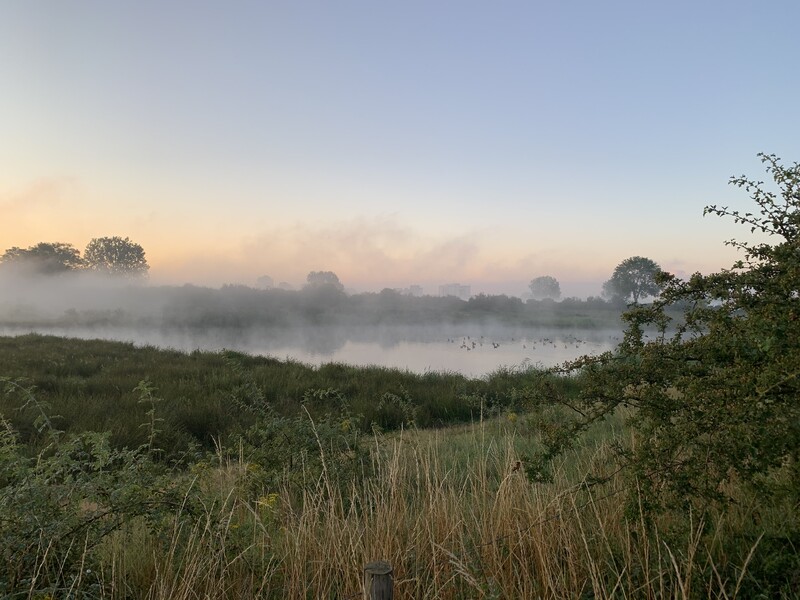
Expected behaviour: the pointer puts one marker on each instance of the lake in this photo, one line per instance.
(473, 350)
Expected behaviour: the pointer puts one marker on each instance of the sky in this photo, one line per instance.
(394, 143)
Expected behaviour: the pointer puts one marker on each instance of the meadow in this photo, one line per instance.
(142, 473)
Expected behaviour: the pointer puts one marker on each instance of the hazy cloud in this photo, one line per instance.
(363, 249)
(44, 210)
(41, 193)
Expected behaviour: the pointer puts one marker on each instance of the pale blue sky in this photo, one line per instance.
(394, 143)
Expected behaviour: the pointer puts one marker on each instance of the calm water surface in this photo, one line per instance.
(472, 350)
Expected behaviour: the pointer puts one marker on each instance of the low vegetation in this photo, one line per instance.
(94, 385)
(450, 509)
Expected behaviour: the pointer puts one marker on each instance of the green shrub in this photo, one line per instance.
(712, 398)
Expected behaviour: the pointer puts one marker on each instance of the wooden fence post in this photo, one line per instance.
(378, 581)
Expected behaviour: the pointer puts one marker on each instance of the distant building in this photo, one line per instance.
(412, 290)
(455, 289)
(285, 285)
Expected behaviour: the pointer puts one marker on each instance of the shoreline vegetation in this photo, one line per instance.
(91, 385)
(88, 300)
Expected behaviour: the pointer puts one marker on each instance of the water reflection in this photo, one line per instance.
(469, 349)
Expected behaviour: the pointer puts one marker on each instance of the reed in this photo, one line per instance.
(455, 518)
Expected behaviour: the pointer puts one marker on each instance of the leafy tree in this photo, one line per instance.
(317, 279)
(44, 258)
(713, 397)
(633, 278)
(545, 287)
(116, 256)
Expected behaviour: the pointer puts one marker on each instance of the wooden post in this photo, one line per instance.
(378, 581)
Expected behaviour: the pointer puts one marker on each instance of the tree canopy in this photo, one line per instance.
(323, 278)
(633, 279)
(545, 286)
(116, 256)
(45, 258)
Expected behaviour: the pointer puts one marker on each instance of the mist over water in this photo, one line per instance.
(314, 326)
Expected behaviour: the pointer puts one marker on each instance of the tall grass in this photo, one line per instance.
(451, 513)
(450, 509)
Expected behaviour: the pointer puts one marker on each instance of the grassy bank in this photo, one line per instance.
(298, 493)
(91, 385)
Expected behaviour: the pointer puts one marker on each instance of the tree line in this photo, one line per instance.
(115, 256)
(634, 279)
